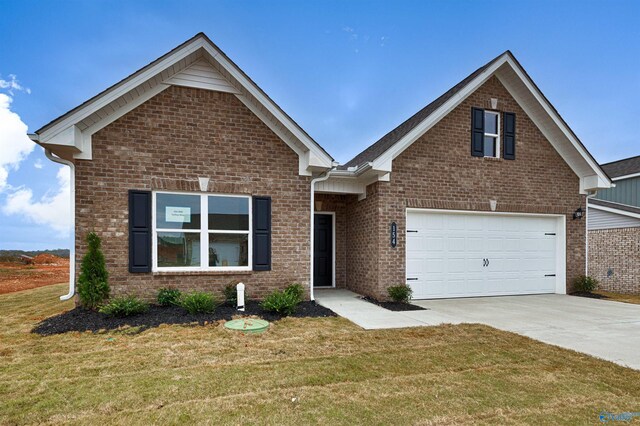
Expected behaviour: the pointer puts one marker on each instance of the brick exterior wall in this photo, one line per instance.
(438, 171)
(616, 250)
(167, 143)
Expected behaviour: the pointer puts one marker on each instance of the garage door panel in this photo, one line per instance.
(462, 255)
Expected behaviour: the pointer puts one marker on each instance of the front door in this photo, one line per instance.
(323, 251)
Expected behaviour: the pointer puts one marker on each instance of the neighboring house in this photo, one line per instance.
(614, 229)
(194, 178)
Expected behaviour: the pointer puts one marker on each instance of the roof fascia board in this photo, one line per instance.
(122, 89)
(268, 104)
(633, 175)
(557, 120)
(614, 210)
(384, 161)
(86, 141)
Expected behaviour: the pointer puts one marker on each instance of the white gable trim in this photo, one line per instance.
(614, 210)
(202, 75)
(384, 161)
(633, 175)
(68, 133)
(120, 90)
(596, 179)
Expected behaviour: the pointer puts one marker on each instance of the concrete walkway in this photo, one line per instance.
(601, 328)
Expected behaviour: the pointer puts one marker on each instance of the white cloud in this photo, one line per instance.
(52, 209)
(15, 145)
(13, 85)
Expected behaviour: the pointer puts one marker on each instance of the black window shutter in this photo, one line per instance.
(509, 136)
(139, 231)
(477, 132)
(261, 233)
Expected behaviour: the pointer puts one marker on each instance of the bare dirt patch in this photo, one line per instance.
(46, 269)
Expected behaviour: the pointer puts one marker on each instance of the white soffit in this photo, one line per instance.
(197, 63)
(515, 80)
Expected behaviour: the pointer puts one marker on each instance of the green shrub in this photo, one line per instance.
(93, 285)
(124, 306)
(585, 283)
(281, 302)
(400, 293)
(296, 290)
(169, 297)
(198, 302)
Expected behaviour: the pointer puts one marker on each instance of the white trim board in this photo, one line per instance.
(613, 210)
(593, 178)
(72, 132)
(633, 175)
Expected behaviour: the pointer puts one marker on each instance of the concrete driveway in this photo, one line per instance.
(604, 329)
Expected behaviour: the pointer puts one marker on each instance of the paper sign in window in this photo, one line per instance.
(178, 214)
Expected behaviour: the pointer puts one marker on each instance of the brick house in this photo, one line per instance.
(614, 229)
(194, 178)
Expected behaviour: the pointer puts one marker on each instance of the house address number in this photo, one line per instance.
(394, 234)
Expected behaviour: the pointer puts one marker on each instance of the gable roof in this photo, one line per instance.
(388, 140)
(516, 80)
(70, 134)
(622, 168)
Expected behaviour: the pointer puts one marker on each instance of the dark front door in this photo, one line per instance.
(323, 251)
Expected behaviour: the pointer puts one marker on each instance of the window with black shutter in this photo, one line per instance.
(486, 139)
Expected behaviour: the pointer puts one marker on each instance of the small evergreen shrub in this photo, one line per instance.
(296, 290)
(199, 302)
(124, 306)
(400, 293)
(93, 285)
(169, 297)
(281, 302)
(584, 283)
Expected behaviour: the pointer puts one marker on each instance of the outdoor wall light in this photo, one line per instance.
(578, 213)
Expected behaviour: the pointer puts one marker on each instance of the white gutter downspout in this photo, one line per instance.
(313, 194)
(72, 249)
(586, 226)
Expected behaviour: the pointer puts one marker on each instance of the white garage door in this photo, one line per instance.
(464, 255)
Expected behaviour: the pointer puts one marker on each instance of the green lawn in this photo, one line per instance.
(337, 373)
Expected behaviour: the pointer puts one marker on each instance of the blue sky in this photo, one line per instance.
(346, 71)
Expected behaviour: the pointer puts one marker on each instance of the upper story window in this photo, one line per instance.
(491, 134)
(194, 232)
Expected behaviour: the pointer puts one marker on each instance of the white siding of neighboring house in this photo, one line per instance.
(600, 219)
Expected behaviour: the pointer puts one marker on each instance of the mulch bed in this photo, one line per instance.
(395, 306)
(80, 319)
(589, 295)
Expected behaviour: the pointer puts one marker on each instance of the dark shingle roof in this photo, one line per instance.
(388, 140)
(628, 166)
(618, 206)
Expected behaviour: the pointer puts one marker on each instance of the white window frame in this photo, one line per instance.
(493, 135)
(204, 232)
